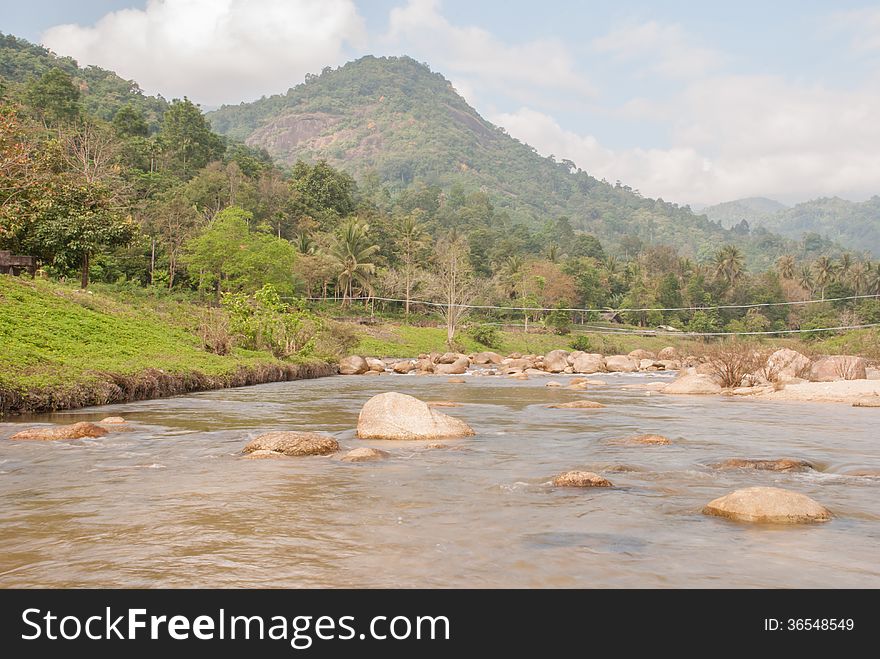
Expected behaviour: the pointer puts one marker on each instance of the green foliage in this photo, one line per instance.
(581, 342)
(486, 335)
(187, 139)
(559, 321)
(264, 322)
(54, 97)
(704, 322)
(129, 122)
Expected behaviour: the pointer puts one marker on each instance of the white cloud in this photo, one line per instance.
(215, 51)
(736, 136)
(659, 48)
(864, 26)
(476, 59)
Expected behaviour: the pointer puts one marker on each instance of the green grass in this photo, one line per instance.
(55, 336)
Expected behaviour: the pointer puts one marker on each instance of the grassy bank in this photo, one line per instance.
(61, 348)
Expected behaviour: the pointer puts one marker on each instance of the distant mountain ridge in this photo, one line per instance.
(854, 225)
(395, 119)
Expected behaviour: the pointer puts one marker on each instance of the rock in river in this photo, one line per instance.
(364, 454)
(648, 440)
(112, 421)
(555, 361)
(353, 365)
(784, 464)
(768, 504)
(581, 479)
(693, 384)
(398, 416)
(73, 431)
(293, 443)
(577, 405)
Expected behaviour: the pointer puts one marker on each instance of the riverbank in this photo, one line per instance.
(61, 348)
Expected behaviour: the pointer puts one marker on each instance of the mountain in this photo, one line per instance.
(855, 225)
(102, 92)
(750, 209)
(395, 118)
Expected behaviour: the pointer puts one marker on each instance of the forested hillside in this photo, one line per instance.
(393, 119)
(750, 209)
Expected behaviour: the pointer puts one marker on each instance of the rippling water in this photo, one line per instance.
(170, 503)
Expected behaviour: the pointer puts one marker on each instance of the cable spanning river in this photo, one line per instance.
(171, 503)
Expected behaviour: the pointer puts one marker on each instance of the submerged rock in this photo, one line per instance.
(443, 403)
(263, 454)
(577, 405)
(293, 443)
(353, 365)
(51, 433)
(784, 464)
(397, 416)
(457, 381)
(364, 454)
(648, 440)
(553, 383)
(581, 479)
(112, 421)
(768, 504)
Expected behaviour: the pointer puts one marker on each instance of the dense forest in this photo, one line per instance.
(103, 183)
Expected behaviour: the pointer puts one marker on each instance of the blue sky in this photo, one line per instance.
(693, 102)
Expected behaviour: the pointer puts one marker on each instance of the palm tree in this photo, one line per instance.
(846, 262)
(304, 244)
(785, 266)
(873, 280)
(352, 253)
(858, 277)
(553, 253)
(611, 265)
(825, 269)
(805, 278)
(511, 275)
(728, 263)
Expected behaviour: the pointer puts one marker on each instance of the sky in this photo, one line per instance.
(696, 103)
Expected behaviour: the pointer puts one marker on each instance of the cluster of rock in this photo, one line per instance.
(492, 363)
(80, 430)
(782, 367)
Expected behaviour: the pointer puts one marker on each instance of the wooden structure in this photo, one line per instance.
(15, 265)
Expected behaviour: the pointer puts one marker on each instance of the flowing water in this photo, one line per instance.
(170, 502)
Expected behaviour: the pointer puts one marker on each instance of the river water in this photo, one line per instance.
(170, 502)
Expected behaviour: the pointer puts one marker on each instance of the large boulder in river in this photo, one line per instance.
(589, 362)
(293, 443)
(692, 384)
(786, 364)
(72, 431)
(556, 361)
(398, 416)
(449, 357)
(457, 367)
(353, 365)
(581, 479)
(364, 454)
(375, 364)
(621, 364)
(768, 504)
(486, 358)
(838, 367)
(641, 354)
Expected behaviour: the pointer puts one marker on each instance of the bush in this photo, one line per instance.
(582, 343)
(214, 332)
(559, 321)
(732, 360)
(336, 340)
(264, 322)
(486, 335)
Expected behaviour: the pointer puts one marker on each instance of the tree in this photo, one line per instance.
(453, 283)
(728, 264)
(411, 241)
(54, 97)
(187, 139)
(323, 192)
(210, 255)
(785, 266)
(129, 122)
(805, 279)
(825, 269)
(353, 254)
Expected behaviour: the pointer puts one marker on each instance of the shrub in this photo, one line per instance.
(486, 335)
(336, 340)
(264, 322)
(559, 321)
(733, 360)
(214, 332)
(581, 342)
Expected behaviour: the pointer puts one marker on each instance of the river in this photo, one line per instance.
(169, 503)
